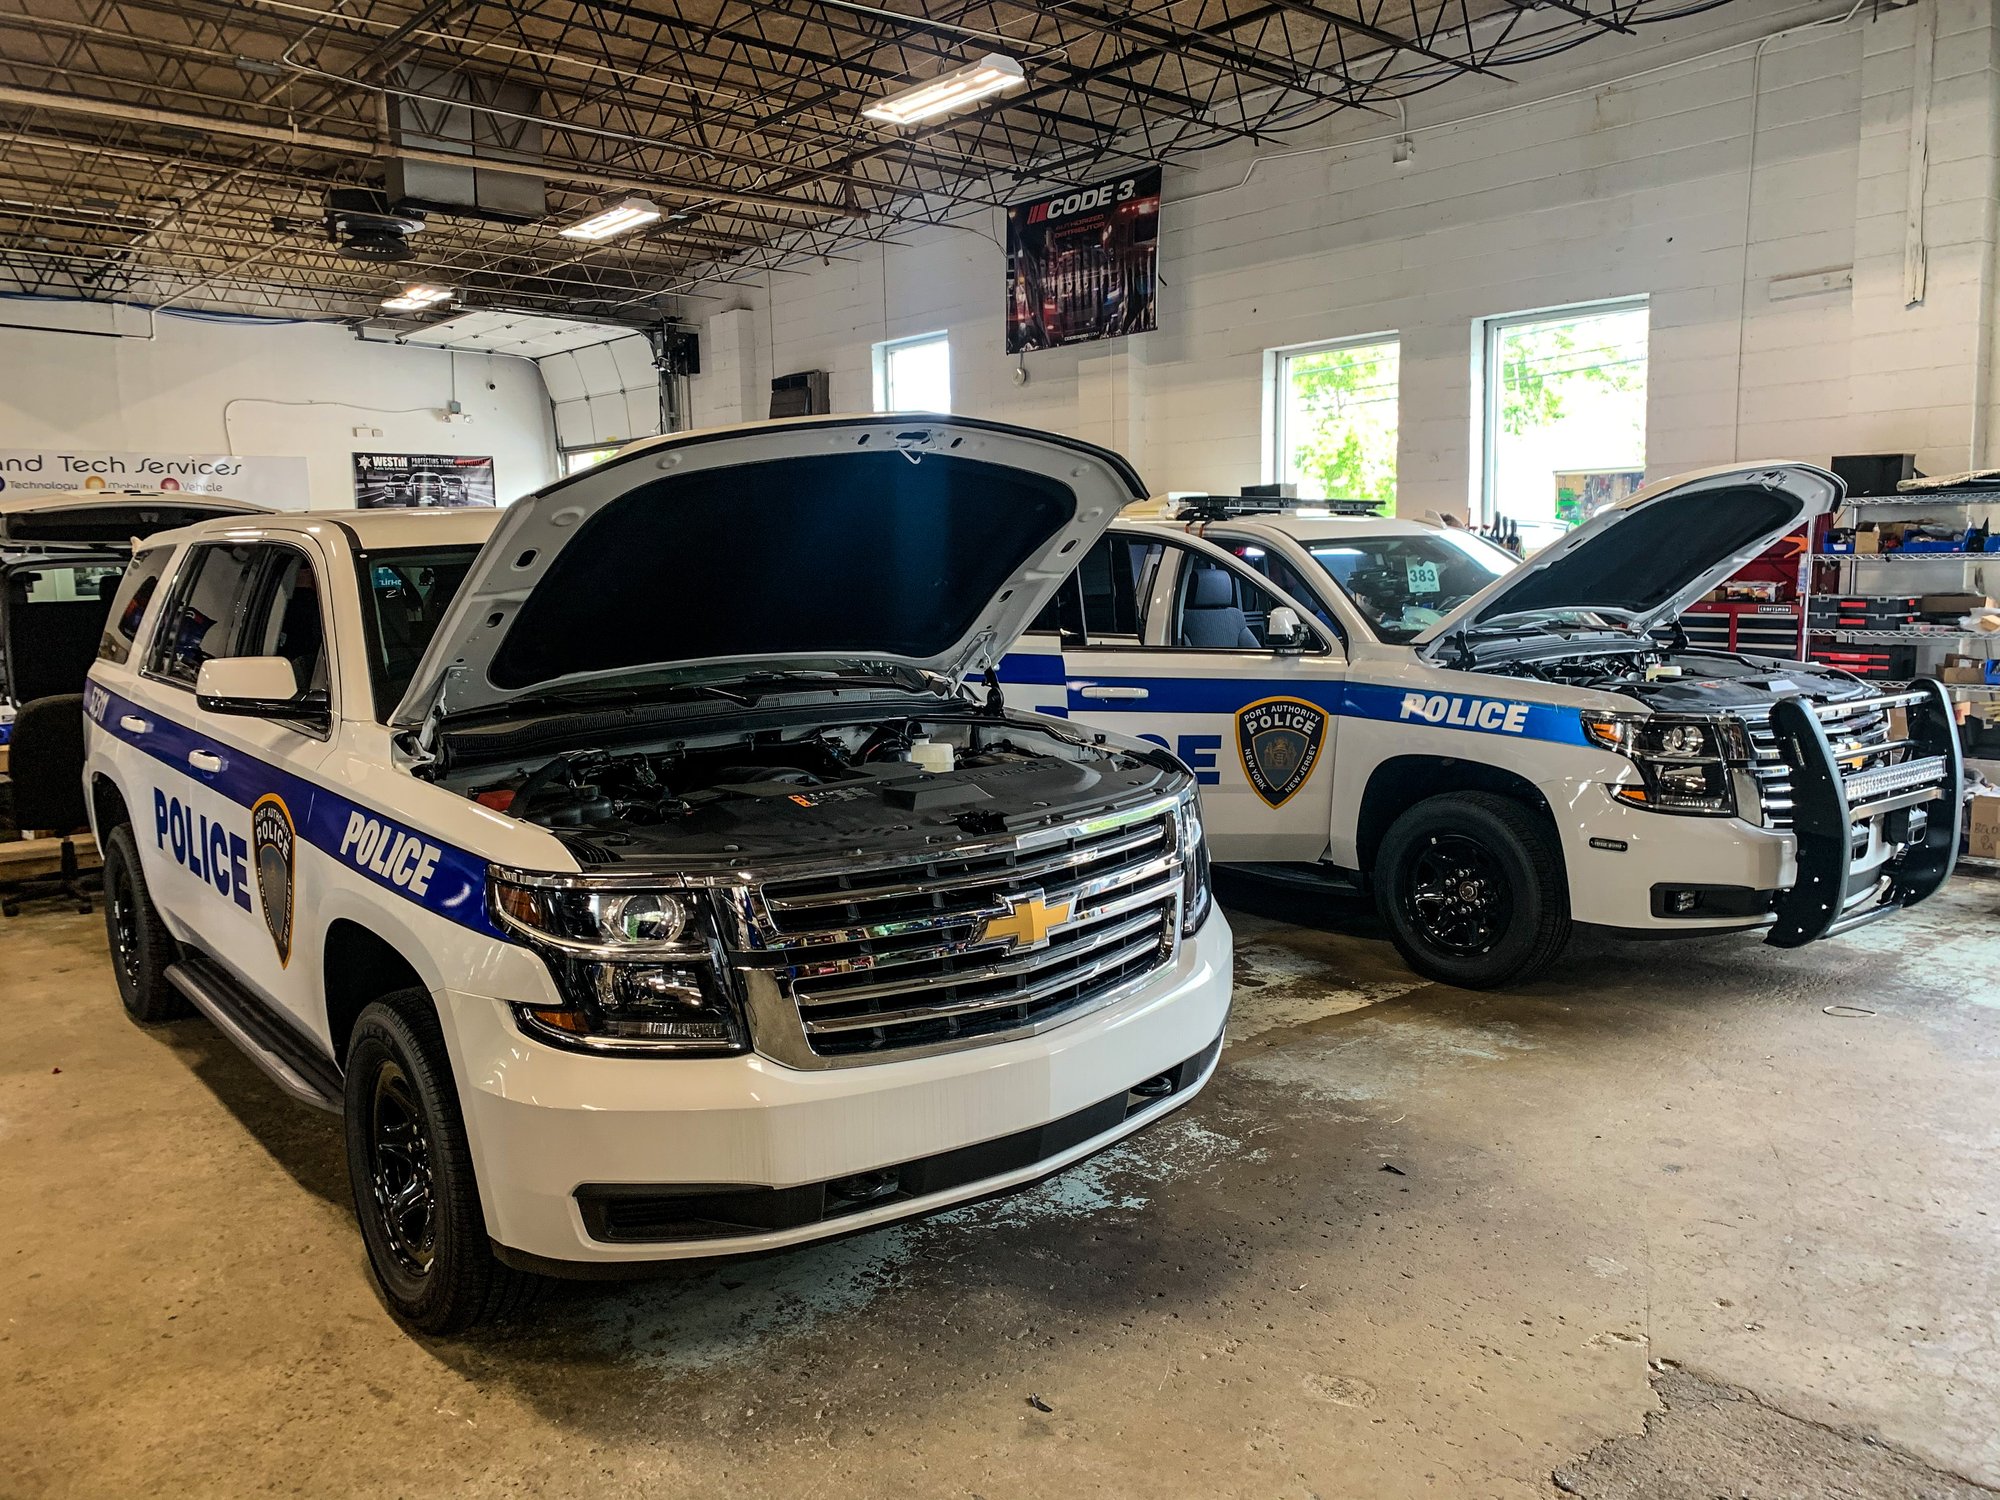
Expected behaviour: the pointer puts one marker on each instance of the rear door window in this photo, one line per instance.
(128, 605)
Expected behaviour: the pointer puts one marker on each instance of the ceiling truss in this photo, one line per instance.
(179, 152)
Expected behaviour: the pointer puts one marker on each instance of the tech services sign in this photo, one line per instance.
(277, 482)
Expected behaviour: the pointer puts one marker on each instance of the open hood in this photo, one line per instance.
(842, 543)
(1646, 559)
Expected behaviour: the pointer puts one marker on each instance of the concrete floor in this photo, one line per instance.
(1661, 1224)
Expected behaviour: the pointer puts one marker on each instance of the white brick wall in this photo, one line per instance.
(1632, 187)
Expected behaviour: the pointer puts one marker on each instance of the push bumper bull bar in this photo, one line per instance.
(1829, 798)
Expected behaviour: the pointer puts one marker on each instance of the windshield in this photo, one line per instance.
(1403, 585)
(404, 594)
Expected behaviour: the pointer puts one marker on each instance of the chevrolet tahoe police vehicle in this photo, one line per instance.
(61, 555)
(631, 869)
(1498, 749)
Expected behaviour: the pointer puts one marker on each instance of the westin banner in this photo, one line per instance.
(382, 480)
(277, 482)
(1082, 263)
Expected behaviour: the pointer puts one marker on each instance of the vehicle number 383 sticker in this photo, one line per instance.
(276, 840)
(1280, 741)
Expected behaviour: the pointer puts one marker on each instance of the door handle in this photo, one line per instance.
(205, 760)
(133, 724)
(1119, 694)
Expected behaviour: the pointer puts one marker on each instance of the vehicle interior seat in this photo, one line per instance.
(50, 644)
(46, 766)
(1211, 619)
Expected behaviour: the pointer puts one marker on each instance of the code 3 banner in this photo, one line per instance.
(1083, 263)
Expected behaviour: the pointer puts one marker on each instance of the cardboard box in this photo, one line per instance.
(1982, 826)
(1867, 539)
(1951, 604)
(1963, 669)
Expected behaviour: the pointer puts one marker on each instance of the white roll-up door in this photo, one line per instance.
(603, 394)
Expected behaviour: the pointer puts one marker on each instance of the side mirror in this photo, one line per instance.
(1285, 631)
(257, 687)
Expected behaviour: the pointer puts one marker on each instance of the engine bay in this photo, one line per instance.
(1687, 681)
(789, 789)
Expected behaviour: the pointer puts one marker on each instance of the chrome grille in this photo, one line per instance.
(886, 958)
(1857, 733)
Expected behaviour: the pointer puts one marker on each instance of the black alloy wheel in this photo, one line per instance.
(399, 1167)
(1472, 888)
(142, 950)
(409, 1163)
(1458, 895)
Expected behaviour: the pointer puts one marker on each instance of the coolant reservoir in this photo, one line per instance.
(931, 755)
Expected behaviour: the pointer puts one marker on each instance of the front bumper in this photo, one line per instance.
(546, 1123)
(1863, 843)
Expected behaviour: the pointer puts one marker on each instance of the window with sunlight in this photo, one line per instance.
(1335, 420)
(575, 460)
(1565, 419)
(914, 374)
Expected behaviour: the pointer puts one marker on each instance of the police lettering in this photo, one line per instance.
(1466, 713)
(209, 850)
(402, 859)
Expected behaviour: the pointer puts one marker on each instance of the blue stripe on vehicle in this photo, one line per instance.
(1509, 718)
(454, 886)
(1032, 668)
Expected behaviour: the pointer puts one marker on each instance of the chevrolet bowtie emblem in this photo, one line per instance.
(1028, 922)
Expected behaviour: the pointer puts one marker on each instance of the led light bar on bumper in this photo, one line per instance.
(1685, 763)
(640, 971)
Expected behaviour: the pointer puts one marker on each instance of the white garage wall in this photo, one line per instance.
(1597, 192)
(296, 390)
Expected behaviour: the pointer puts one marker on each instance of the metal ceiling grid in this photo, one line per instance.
(181, 151)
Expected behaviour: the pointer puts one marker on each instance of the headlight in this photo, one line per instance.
(639, 971)
(1195, 896)
(1684, 763)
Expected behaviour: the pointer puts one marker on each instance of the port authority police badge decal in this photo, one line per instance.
(1279, 739)
(276, 841)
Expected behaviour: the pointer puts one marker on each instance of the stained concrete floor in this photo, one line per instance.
(1690, 1219)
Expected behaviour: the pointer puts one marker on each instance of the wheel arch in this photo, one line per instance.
(358, 967)
(108, 808)
(1402, 781)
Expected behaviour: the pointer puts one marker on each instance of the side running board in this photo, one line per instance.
(272, 1043)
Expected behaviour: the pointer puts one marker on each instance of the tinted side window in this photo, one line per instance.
(1115, 578)
(206, 612)
(128, 605)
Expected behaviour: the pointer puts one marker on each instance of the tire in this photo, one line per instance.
(406, 1145)
(1472, 888)
(141, 947)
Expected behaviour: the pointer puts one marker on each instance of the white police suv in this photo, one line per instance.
(630, 867)
(1501, 750)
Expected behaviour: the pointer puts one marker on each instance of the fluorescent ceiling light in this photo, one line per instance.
(620, 218)
(992, 74)
(413, 298)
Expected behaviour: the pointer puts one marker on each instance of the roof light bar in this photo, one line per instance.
(992, 74)
(415, 298)
(622, 217)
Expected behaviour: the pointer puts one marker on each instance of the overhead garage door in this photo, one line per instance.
(604, 394)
